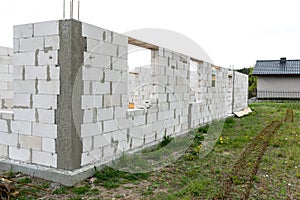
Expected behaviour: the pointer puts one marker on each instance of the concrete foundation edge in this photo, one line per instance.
(69, 178)
(64, 177)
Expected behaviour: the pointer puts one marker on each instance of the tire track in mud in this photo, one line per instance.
(238, 183)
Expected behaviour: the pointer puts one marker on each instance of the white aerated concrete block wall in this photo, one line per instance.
(140, 85)
(171, 72)
(168, 85)
(180, 99)
(213, 102)
(30, 136)
(240, 92)
(105, 95)
(109, 128)
(229, 92)
(194, 86)
(6, 78)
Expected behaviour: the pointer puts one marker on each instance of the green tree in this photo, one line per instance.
(252, 81)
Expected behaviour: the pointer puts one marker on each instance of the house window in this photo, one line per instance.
(213, 78)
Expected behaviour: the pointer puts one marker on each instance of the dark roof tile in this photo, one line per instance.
(274, 67)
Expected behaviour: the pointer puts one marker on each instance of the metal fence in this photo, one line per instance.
(278, 94)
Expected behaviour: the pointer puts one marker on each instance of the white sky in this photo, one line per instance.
(232, 32)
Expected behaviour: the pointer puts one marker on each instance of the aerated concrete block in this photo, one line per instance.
(44, 158)
(44, 130)
(19, 154)
(30, 142)
(31, 44)
(46, 28)
(102, 140)
(92, 129)
(23, 31)
(48, 145)
(21, 127)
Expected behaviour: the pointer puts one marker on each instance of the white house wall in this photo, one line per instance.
(278, 83)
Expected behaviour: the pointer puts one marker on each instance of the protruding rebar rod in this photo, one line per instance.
(64, 9)
(78, 10)
(71, 8)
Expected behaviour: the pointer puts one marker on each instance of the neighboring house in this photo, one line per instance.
(278, 79)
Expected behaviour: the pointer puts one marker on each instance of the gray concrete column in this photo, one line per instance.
(71, 57)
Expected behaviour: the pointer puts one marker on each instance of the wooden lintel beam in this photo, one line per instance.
(134, 73)
(216, 67)
(196, 60)
(142, 44)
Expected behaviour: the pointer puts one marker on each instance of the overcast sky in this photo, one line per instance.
(232, 32)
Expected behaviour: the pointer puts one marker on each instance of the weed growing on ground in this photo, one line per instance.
(82, 189)
(203, 129)
(25, 180)
(229, 122)
(166, 140)
(61, 190)
(278, 175)
(111, 178)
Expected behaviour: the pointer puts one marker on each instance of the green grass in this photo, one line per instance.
(229, 123)
(46, 185)
(111, 178)
(81, 190)
(281, 163)
(191, 178)
(61, 190)
(25, 180)
(203, 178)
